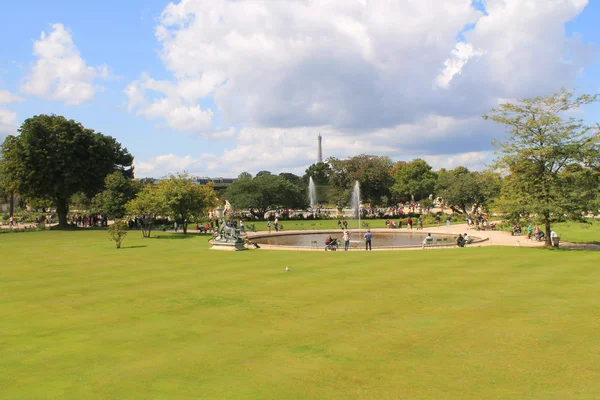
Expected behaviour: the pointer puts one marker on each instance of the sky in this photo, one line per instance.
(218, 87)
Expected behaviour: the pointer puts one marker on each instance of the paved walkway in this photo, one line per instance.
(495, 238)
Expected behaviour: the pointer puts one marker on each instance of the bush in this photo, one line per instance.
(5, 217)
(117, 232)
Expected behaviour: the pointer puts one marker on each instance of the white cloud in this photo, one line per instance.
(6, 97)
(176, 104)
(8, 123)
(461, 54)
(60, 72)
(365, 73)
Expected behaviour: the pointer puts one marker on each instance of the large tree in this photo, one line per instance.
(371, 172)
(413, 180)
(544, 147)
(319, 172)
(119, 190)
(265, 192)
(9, 181)
(465, 191)
(147, 205)
(184, 200)
(53, 158)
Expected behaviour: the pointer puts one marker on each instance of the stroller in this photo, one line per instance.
(332, 245)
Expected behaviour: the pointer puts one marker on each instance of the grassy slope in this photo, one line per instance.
(165, 318)
(579, 233)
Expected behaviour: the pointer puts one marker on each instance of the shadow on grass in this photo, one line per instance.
(134, 247)
(175, 236)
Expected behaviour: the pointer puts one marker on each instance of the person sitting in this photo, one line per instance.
(540, 235)
(428, 240)
(460, 242)
(467, 239)
(493, 226)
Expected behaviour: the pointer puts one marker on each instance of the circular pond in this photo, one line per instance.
(380, 239)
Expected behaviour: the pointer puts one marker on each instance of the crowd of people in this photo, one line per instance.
(88, 221)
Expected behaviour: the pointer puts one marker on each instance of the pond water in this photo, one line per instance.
(380, 239)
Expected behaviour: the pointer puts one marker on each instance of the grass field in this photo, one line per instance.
(577, 232)
(167, 319)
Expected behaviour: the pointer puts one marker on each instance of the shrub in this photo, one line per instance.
(117, 232)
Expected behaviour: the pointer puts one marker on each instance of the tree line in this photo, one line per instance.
(548, 165)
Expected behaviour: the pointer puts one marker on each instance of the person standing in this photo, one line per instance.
(368, 238)
(242, 226)
(269, 226)
(448, 219)
(276, 224)
(346, 240)
(438, 219)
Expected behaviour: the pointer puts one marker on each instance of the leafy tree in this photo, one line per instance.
(292, 178)
(320, 173)
(543, 150)
(79, 201)
(184, 200)
(53, 158)
(119, 190)
(263, 173)
(117, 232)
(371, 172)
(146, 206)
(465, 191)
(245, 175)
(414, 179)
(9, 181)
(263, 193)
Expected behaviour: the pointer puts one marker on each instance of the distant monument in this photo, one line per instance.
(320, 153)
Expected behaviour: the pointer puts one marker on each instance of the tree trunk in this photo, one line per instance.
(11, 202)
(61, 209)
(548, 230)
(185, 225)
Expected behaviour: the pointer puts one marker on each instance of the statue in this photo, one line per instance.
(226, 232)
(227, 237)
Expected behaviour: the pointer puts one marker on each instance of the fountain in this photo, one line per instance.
(312, 193)
(355, 202)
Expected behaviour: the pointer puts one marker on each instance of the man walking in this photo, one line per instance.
(368, 237)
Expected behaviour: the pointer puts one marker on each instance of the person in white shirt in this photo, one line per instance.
(428, 240)
(346, 240)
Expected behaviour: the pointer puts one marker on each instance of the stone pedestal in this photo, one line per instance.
(228, 245)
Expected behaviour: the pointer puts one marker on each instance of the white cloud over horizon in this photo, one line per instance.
(60, 73)
(386, 78)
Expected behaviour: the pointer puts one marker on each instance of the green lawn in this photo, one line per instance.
(577, 232)
(168, 319)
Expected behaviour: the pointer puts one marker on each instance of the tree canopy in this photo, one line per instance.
(119, 190)
(546, 154)
(53, 158)
(265, 192)
(185, 201)
(371, 172)
(414, 179)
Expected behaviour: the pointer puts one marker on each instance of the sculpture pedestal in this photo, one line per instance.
(228, 246)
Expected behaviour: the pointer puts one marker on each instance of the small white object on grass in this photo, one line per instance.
(287, 269)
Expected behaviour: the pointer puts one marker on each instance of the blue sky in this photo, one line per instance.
(219, 87)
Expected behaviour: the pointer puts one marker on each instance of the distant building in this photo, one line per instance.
(216, 181)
